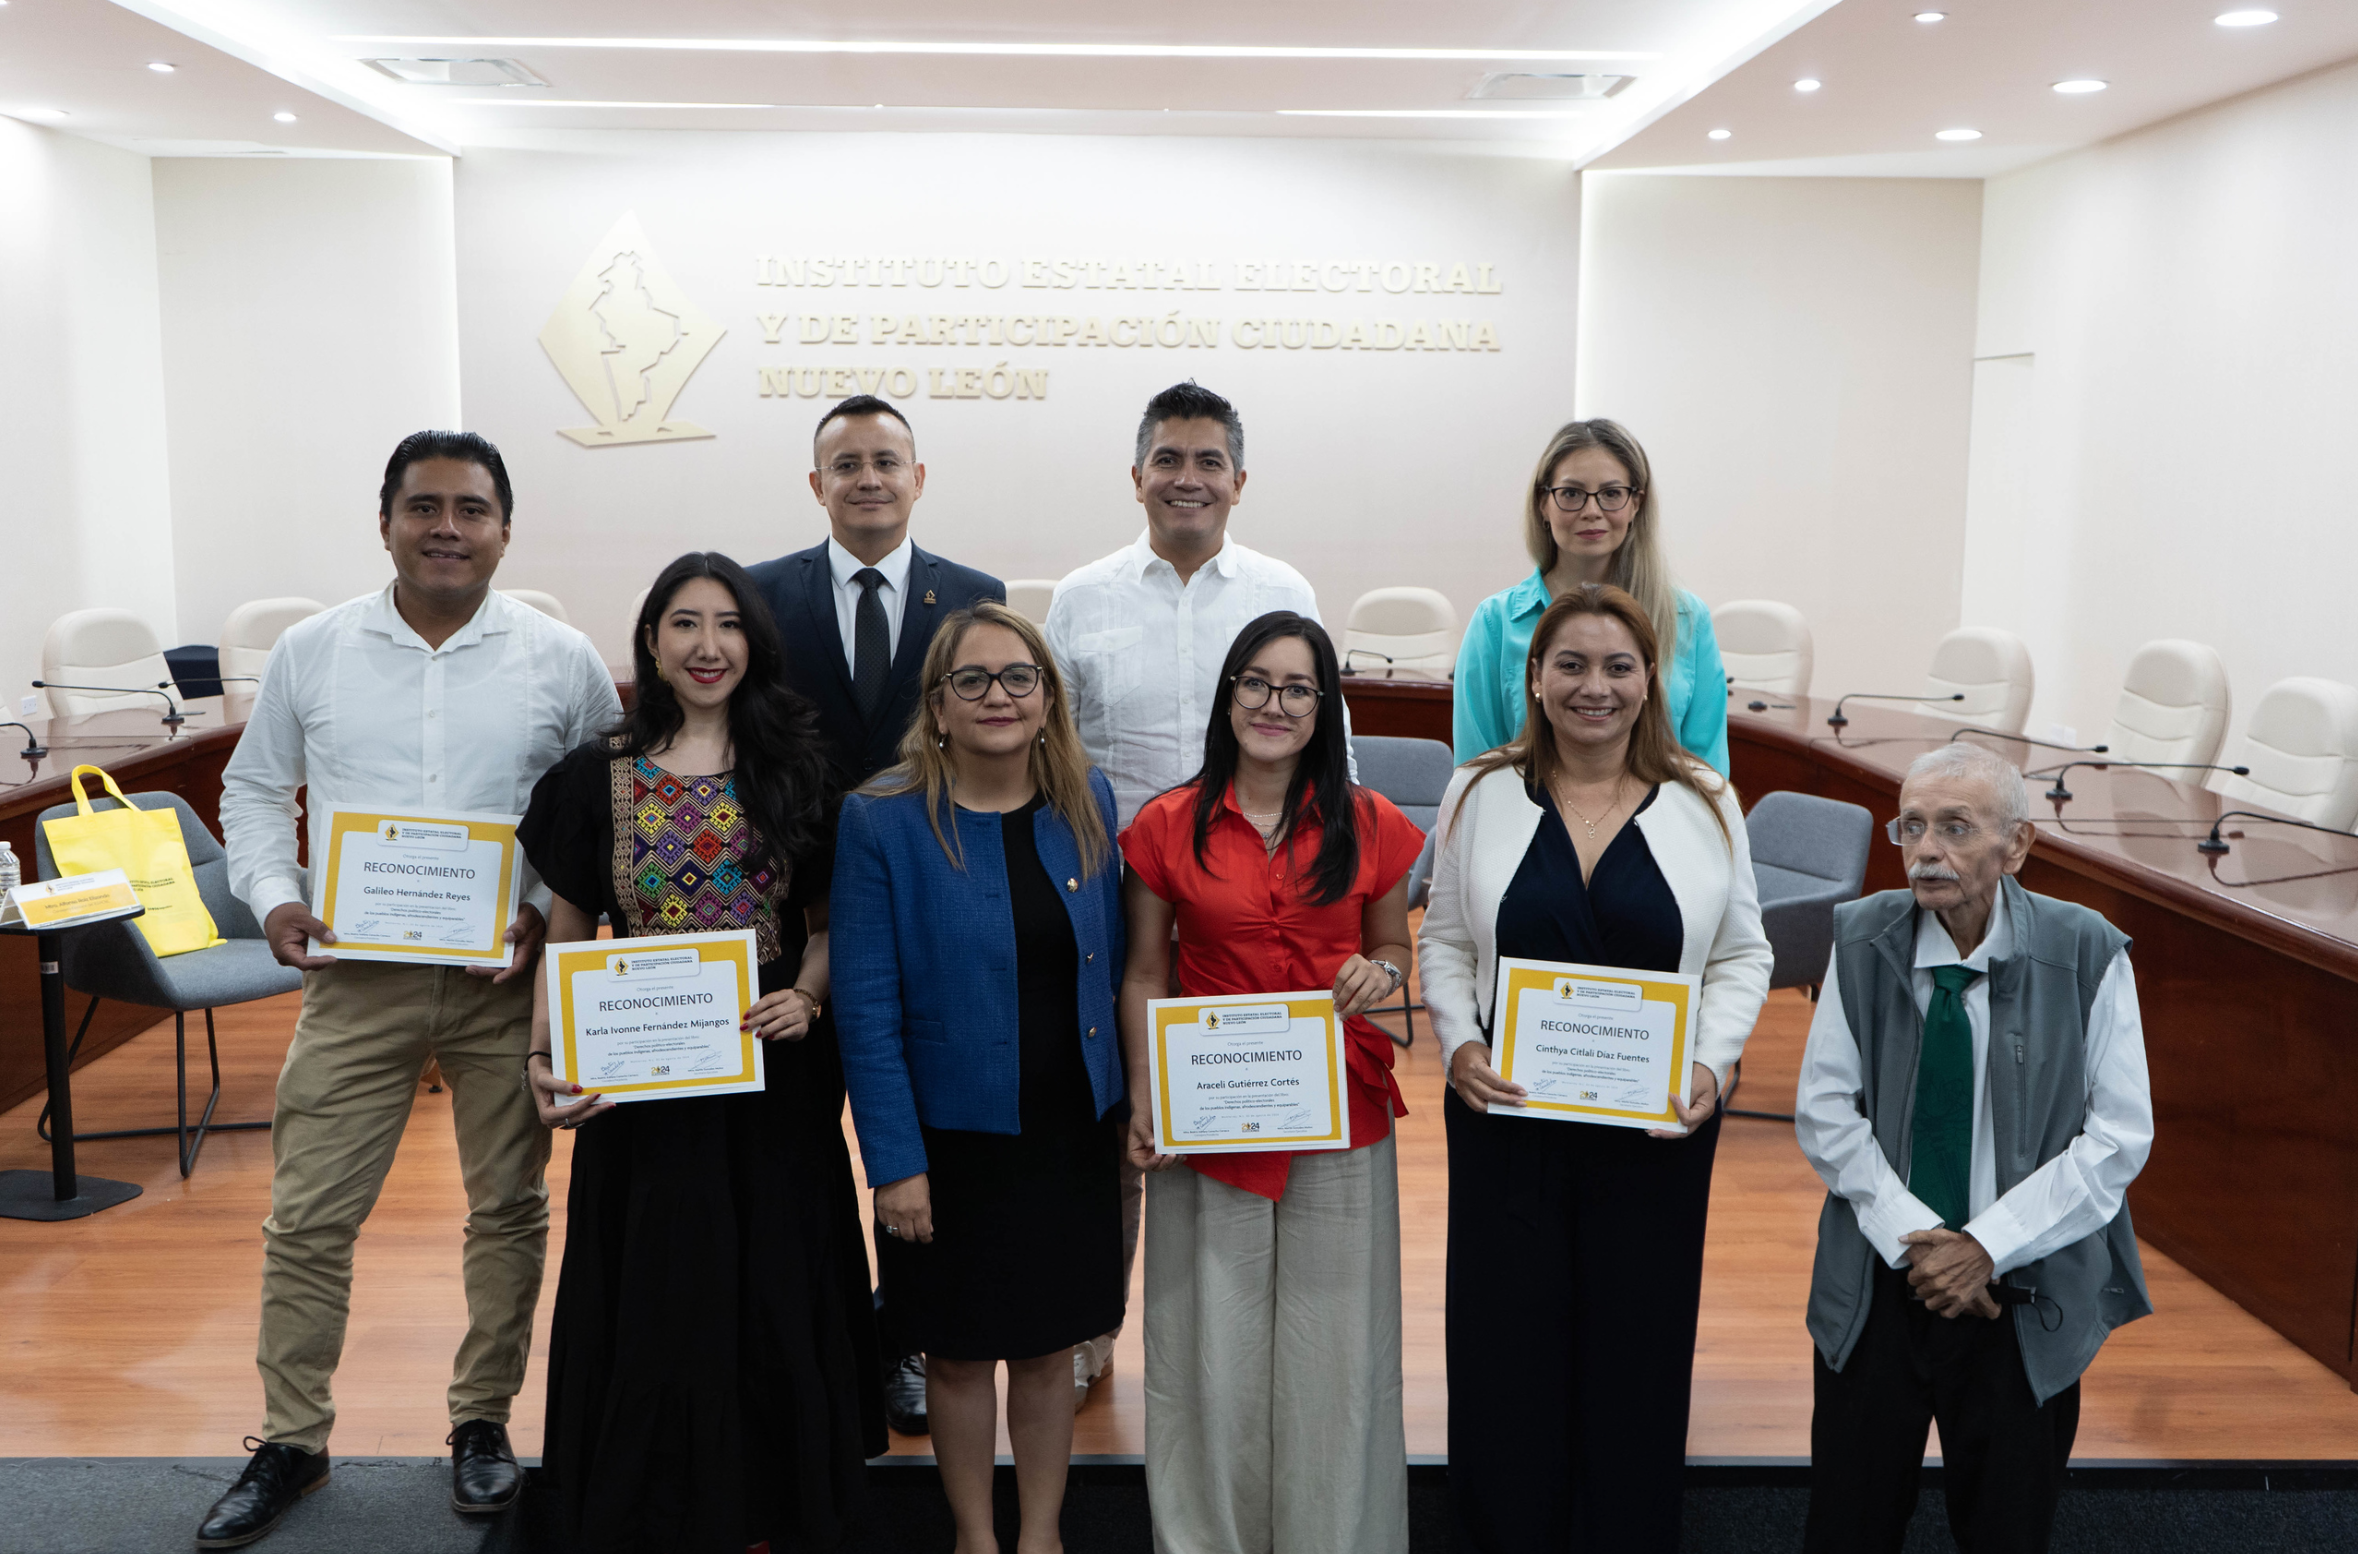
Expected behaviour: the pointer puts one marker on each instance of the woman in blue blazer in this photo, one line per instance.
(977, 918)
(1591, 464)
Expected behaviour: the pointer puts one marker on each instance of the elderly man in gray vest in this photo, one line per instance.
(1974, 1094)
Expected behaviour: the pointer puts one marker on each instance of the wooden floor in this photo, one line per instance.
(132, 1333)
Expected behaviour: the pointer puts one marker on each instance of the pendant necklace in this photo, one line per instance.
(1565, 795)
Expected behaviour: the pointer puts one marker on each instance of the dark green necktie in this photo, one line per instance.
(1940, 1163)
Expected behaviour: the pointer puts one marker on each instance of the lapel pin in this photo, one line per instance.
(929, 596)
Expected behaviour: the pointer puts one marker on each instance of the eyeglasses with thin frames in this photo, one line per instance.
(1609, 499)
(973, 684)
(1295, 701)
(1952, 833)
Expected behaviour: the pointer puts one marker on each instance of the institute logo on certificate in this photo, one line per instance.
(1594, 1043)
(1247, 1071)
(430, 888)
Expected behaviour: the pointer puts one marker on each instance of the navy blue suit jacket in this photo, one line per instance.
(922, 955)
(801, 597)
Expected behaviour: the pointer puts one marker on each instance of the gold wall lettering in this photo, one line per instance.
(997, 382)
(1436, 277)
(1171, 331)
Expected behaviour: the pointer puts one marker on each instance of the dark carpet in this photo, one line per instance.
(401, 1506)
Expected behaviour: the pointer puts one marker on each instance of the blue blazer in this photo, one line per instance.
(801, 595)
(922, 957)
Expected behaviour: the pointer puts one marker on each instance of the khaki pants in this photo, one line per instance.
(1273, 1361)
(344, 1096)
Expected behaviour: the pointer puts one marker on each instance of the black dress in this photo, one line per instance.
(1026, 1256)
(1574, 1434)
(713, 1379)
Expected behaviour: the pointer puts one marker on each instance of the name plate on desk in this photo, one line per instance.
(70, 902)
(432, 889)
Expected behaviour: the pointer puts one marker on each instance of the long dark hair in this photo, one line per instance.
(1323, 775)
(781, 769)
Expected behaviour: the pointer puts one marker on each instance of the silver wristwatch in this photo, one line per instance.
(1397, 977)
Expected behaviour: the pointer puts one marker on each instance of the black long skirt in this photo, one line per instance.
(713, 1373)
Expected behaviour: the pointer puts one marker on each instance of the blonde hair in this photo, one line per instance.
(1655, 755)
(1059, 766)
(1639, 567)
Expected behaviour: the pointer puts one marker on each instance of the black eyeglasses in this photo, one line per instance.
(1017, 680)
(1295, 701)
(1609, 499)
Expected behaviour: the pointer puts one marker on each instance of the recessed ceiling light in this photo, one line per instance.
(1957, 134)
(160, 67)
(1719, 134)
(284, 117)
(1808, 84)
(1929, 17)
(2244, 18)
(2081, 87)
(1026, 50)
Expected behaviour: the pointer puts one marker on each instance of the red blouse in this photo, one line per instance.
(1244, 927)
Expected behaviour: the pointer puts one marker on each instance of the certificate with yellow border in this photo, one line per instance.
(1594, 1043)
(655, 1019)
(1246, 1071)
(434, 887)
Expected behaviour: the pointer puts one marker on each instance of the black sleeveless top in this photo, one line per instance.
(1624, 915)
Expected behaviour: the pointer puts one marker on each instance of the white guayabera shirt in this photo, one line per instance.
(356, 706)
(1142, 655)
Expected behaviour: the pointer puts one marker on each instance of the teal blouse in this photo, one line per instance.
(1488, 695)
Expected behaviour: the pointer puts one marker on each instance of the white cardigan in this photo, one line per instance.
(1718, 898)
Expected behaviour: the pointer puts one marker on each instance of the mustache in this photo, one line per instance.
(1931, 871)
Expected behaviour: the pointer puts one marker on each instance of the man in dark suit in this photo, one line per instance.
(857, 613)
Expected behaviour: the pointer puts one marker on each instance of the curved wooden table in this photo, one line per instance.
(2247, 974)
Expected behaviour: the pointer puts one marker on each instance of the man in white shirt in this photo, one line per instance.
(436, 694)
(1974, 1094)
(1141, 635)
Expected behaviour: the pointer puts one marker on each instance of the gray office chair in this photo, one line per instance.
(112, 960)
(1413, 774)
(1809, 855)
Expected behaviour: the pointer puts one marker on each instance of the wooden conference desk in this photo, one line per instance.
(2247, 974)
(142, 756)
(1398, 704)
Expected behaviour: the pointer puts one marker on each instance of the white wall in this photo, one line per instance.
(2183, 296)
(1795, 356)
(84, 507)
(310, 323)
(1365, 469)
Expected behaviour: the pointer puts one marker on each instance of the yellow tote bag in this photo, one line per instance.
(145, 844)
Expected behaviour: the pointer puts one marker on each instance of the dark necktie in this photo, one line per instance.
(871, 645)
(1940, 1165)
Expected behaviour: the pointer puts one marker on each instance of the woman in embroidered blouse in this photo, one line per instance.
(712, 1358)
(1273, 1278)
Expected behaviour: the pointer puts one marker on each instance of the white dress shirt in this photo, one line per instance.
(892, 593)
(2072, 1196)
(1142, 654)
(356, 706)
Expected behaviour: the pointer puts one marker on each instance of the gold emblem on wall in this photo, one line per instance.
(627, 339)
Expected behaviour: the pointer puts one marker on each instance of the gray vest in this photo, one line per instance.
(2037, 1086)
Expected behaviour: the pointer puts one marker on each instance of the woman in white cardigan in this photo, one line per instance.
(1576, 1249)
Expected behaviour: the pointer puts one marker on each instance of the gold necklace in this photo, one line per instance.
(1564, 796)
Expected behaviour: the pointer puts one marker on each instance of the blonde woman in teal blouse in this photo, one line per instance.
(1591, 517)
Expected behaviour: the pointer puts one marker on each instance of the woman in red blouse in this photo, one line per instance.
(1273, 1279)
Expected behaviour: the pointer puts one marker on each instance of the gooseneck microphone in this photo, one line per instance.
(1837, 720)
(172, 714)
(34, 749)
(2215, 843)
(2025, 739)
(1351, 653)
(2059, 792)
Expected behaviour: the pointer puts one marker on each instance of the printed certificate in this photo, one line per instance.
(1594, 1043)
(657, 1018)
(1247, 1071)
(436, 889)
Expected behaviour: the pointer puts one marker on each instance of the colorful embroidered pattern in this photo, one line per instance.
(689, 841)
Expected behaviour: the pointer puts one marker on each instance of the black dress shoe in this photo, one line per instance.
(904, 1396)
(484, 1478)
(274, 1480)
